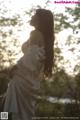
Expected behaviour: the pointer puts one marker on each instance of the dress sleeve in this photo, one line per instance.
(33, 59)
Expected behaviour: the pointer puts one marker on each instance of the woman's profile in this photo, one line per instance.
(36, 63)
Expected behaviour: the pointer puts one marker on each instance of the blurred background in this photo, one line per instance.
(59, 95)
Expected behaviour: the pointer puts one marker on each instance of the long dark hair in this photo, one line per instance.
(46, 26)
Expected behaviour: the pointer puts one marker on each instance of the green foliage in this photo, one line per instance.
(72, 110)
(61, 86)
(4, 79)
(75, 14)
(77, 68)
(70, 19)
(61, 22)
(47, 109)
(7, 54)
(8, 21)
(58, 58)
(8, 42)
(77, 88)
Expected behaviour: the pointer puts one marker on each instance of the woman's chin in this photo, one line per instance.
(32, 23)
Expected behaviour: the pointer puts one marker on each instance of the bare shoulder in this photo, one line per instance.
(36, 37)
(36, 33)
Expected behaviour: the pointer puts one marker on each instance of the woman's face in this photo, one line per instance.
(34, 20)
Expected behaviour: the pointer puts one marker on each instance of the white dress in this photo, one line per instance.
(24, 87)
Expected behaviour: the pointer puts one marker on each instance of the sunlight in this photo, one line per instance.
(22, 32)
(19, 6)
(70, 58)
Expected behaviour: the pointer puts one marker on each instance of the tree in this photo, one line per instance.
(70, 19)
(8, 42)
(61, 85)
(8, 25)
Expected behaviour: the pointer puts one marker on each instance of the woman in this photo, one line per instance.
(36, 63)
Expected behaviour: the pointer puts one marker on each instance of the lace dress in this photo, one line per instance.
(25, 84)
